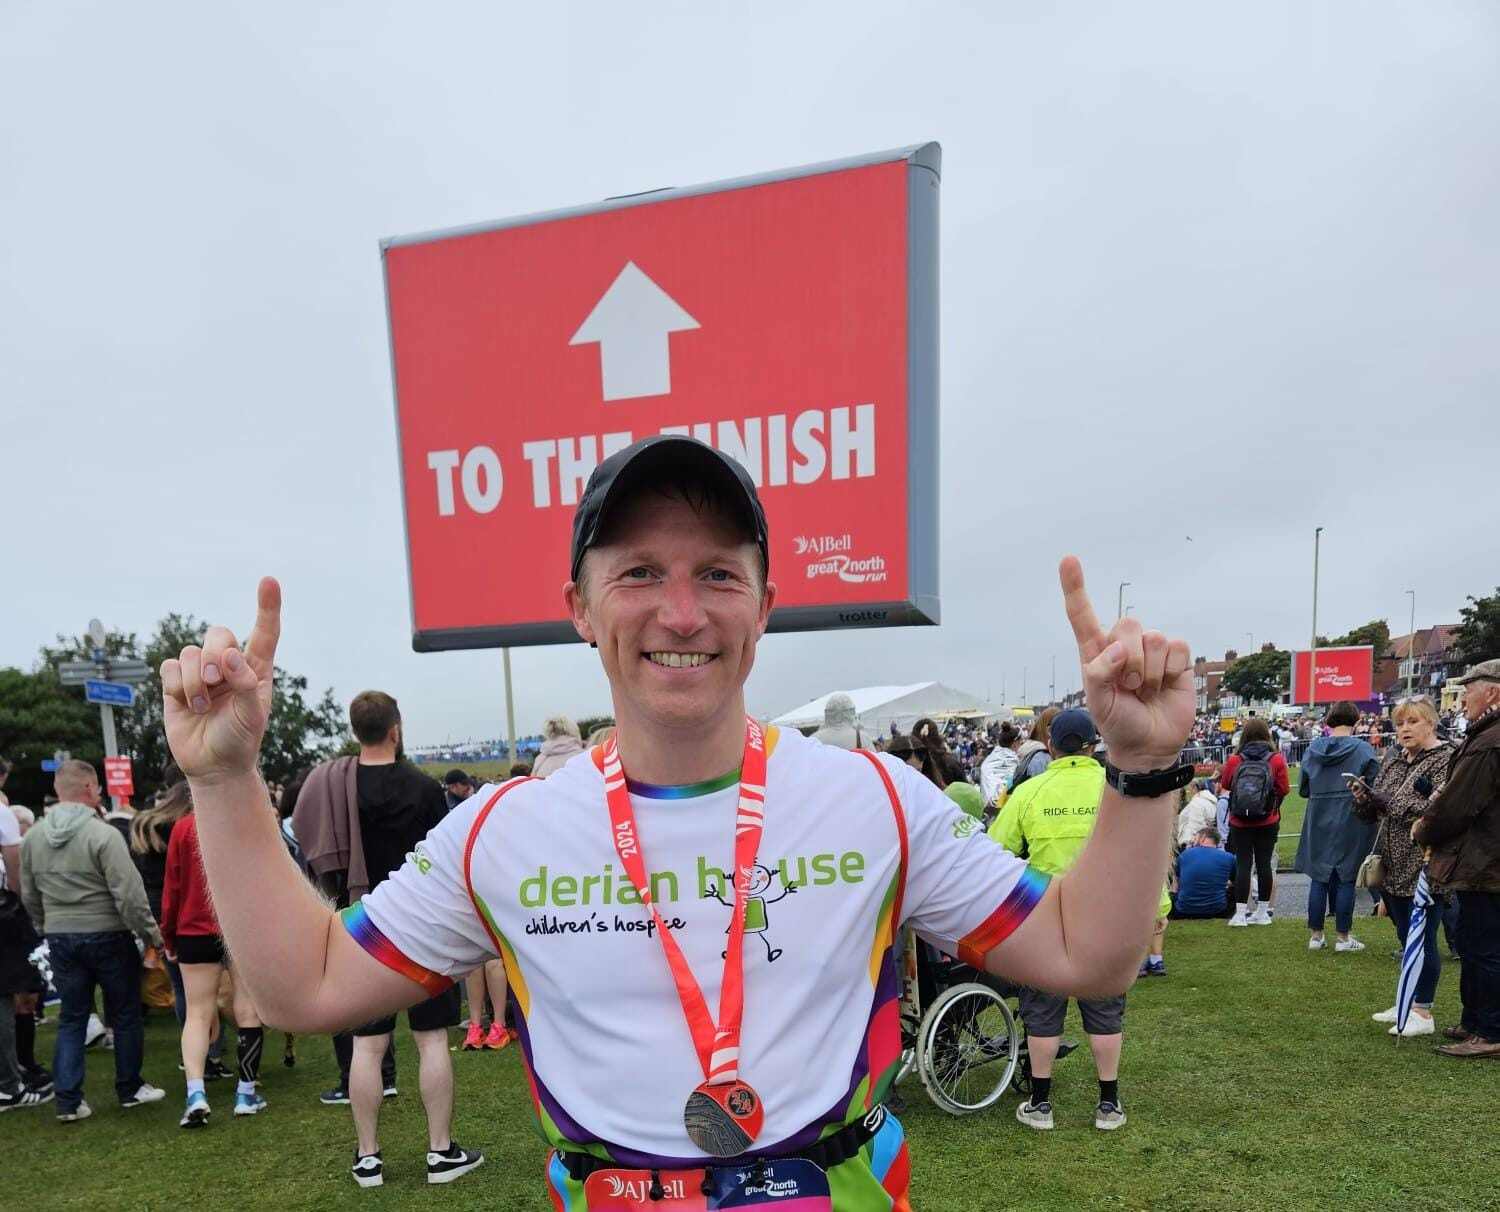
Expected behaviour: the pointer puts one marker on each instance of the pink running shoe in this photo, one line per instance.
(474, 1038)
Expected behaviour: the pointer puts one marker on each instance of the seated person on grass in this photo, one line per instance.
(1201, 877)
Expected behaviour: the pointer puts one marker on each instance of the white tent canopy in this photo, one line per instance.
(879, 708)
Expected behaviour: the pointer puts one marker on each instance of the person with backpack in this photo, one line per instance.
(1256, 781)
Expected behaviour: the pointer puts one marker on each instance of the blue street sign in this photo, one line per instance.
(50, 765)
(113, 693)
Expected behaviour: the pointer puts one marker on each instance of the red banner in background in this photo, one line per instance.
(118, 779)
(1343, 673)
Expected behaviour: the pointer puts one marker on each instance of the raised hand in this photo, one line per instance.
(216, 699)
(1139, 684)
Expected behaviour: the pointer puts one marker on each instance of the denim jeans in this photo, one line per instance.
(1479, 974)
(1399, 908)
(1333, 891)
(79, 962)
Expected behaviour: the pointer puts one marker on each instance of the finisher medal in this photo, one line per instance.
(723, 1115)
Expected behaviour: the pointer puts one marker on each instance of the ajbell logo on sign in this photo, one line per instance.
(788, 321)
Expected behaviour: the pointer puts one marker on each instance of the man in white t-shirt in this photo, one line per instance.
(607, 890)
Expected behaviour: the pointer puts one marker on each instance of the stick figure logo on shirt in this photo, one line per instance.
(756, 919)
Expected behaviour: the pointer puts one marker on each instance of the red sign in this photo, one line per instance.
(1343, 673)
(789, 321)
(118, 780)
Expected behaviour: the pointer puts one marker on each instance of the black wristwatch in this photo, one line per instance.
(1150, 783)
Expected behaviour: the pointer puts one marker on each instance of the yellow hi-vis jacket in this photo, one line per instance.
(1049, 817)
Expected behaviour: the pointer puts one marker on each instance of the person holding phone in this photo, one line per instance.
(1334, 839)
(1398, 797)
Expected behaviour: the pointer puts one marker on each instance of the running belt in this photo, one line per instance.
(829, 1152)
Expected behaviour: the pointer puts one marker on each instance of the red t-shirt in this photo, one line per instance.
(1281, 780)
(185, 905)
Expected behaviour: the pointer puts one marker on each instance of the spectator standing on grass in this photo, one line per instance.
(191, 940)
(1049, 819)
(487, 982)
(561, 745)
(85, 897)
(457, 786)
(1257, 781)
(1203, 874)
(398, 806)
(150, 836)
(1461, 828)
(22, 1084)
(1400, 795)
(1334, 839)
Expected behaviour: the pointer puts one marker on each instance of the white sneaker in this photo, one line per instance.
(1349, 944)
(94, 1032)
(1317, 943)
(72, 1117)
(1239, 918)
(1109, 1116)
(1415, 1025)
(1385, 1016)
(1037, 1116)
(1259, 918)
(146, 1094)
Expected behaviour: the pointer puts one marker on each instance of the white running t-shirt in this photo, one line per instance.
(534, 877)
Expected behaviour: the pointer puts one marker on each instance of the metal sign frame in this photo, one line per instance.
(922, 604)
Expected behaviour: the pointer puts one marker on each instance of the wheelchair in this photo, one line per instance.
(959, 1033)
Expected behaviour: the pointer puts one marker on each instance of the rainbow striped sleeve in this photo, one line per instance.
(1002, 923)
(369, 936)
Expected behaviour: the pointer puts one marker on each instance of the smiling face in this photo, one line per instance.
(675, 602)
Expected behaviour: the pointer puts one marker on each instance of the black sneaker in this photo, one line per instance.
(337, 1097)
(369, 1170)
(37, 1078)
(454, 1163)
(216, 1070)
(27, 1097)
(390, 1091)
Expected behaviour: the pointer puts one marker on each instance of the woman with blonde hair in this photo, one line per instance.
(150, 836)
(1410, 777)
(560, 743)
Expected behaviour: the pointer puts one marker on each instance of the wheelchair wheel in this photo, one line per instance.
(967, 1048)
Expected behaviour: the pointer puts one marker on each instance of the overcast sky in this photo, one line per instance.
(1226, 271)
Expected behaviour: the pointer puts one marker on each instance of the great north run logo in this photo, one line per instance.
(847, 569)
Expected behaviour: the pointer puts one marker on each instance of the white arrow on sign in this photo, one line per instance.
(631, 325)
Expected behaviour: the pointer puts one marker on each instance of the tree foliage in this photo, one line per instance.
(592, 723)
(1377, 633)
(39, 717)
(1260, 676)
(1478, 637)
(300, 732)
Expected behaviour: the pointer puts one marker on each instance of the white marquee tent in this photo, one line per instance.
(878, 708)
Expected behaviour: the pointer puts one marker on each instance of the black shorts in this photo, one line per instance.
(200, 949)
(435, 1014)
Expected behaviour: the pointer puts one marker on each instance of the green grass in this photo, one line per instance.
(1293, 809)
(485, 772)
(1252, 1076)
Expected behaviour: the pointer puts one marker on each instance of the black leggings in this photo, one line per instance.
(1259, 844)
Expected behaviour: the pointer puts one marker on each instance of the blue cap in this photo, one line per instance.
(1072, 730)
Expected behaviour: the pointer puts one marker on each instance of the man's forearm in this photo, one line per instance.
(1111, 897)
(274, 924)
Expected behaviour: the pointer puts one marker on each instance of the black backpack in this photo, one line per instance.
(1252, 795)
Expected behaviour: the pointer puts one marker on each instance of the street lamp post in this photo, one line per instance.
(1312, 661)
(1411, 642)
(1250, 635)
(1120, 608)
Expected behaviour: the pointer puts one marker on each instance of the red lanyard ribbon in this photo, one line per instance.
(718, 1047)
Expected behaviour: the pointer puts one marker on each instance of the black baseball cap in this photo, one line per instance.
(658, 458)
(1072, 730)
(456, 776)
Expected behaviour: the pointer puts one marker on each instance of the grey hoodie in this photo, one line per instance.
(77, 877)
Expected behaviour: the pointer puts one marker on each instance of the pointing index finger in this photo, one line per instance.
(260, 649)
(1086, 629)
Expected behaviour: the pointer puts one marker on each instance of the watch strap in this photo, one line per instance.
(1151, 783)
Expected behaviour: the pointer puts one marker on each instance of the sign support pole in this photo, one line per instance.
(510, 709)
(111, 745)
(1312, 656)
